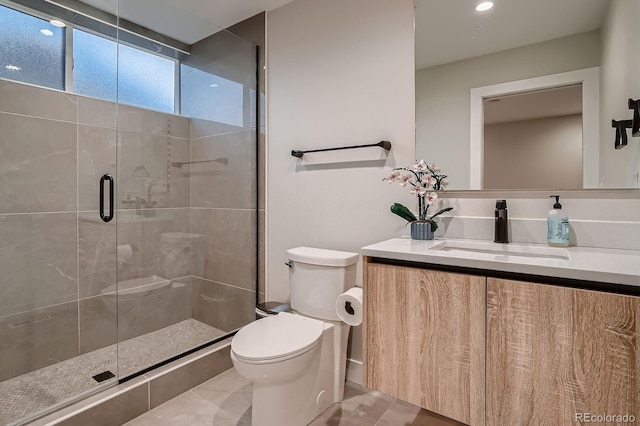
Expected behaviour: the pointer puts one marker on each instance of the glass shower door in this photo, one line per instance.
(58, 320)
(186, 187)
(84, 300)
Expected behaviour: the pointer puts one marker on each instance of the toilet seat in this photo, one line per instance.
(276, 338)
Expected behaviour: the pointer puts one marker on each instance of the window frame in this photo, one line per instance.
(68, 54)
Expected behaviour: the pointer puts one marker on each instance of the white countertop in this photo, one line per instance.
(591, 264)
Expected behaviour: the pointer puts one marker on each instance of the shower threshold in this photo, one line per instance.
(37, 391)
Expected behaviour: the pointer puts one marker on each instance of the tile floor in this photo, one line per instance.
(225, 400)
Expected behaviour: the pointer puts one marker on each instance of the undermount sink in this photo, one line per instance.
(530, 251)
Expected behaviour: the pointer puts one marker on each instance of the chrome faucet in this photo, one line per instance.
(501, 222)
(143, 206)
(147, 203)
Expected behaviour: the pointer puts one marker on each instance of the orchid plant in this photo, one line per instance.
(425, 180)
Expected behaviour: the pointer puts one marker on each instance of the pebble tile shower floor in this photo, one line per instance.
(40, 389)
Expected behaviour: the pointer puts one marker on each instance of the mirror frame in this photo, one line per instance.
(588, 77)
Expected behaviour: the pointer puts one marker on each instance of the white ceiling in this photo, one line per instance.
(225, 13)
(446, 30)
(186, 20)
(451, 30)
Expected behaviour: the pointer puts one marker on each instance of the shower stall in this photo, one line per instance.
(129, 208)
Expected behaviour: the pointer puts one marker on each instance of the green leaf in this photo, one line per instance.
(403, 212)
(442, 211)
(434, 226)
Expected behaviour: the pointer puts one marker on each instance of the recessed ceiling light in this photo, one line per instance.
(46, 32)
(57, 23)
(12, 67)
(484, 6)
(213, 85)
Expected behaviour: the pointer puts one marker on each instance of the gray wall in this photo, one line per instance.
(443, 94)
(618, 82)
(347, 83)
(534, 154)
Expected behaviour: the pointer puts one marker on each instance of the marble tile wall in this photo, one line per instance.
(223, 196)
(34, 148)
(231, 235)
(37, 338)
(222, 306)
(58, 260)
(38, 228)
(223, 200)
(231, 185)
(152, 200)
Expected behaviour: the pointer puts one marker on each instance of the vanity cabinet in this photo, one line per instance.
(555, 352)
(550, 353)
(425, 339)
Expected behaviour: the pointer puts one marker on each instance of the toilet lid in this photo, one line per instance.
(276, 336)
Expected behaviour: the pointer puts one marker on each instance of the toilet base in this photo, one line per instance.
(287, 404)
(302, 399)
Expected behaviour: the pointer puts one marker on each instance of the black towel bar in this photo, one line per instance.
(386, 145)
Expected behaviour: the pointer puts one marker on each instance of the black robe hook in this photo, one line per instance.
(621, 132)
(635, 127)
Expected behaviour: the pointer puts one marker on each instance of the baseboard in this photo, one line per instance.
(354, 371)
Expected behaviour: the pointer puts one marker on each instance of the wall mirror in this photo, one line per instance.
(577, 61)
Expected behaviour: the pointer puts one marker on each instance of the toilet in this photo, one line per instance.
(297, 360)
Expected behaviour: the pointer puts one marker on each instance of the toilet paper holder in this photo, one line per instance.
(349, 308)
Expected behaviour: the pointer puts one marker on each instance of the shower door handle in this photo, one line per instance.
(109, 178)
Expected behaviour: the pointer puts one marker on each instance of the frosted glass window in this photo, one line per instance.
(94, 65)
(210, 97)
(31, 49)
(145, 79)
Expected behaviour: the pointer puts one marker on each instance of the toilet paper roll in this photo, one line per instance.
(349, 306)
(124, 253)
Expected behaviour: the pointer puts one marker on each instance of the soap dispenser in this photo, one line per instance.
(557, 225)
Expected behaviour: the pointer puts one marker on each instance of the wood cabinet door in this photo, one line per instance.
(555, 354)
(425, 339)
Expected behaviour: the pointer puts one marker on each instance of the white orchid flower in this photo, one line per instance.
(444, 183)
(429, 180)
(393, 177)
(434, 168)
(403, 179)
(431, 198)
(419, 166)
(418, 190)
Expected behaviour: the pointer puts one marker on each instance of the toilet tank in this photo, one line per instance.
(317, 277)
